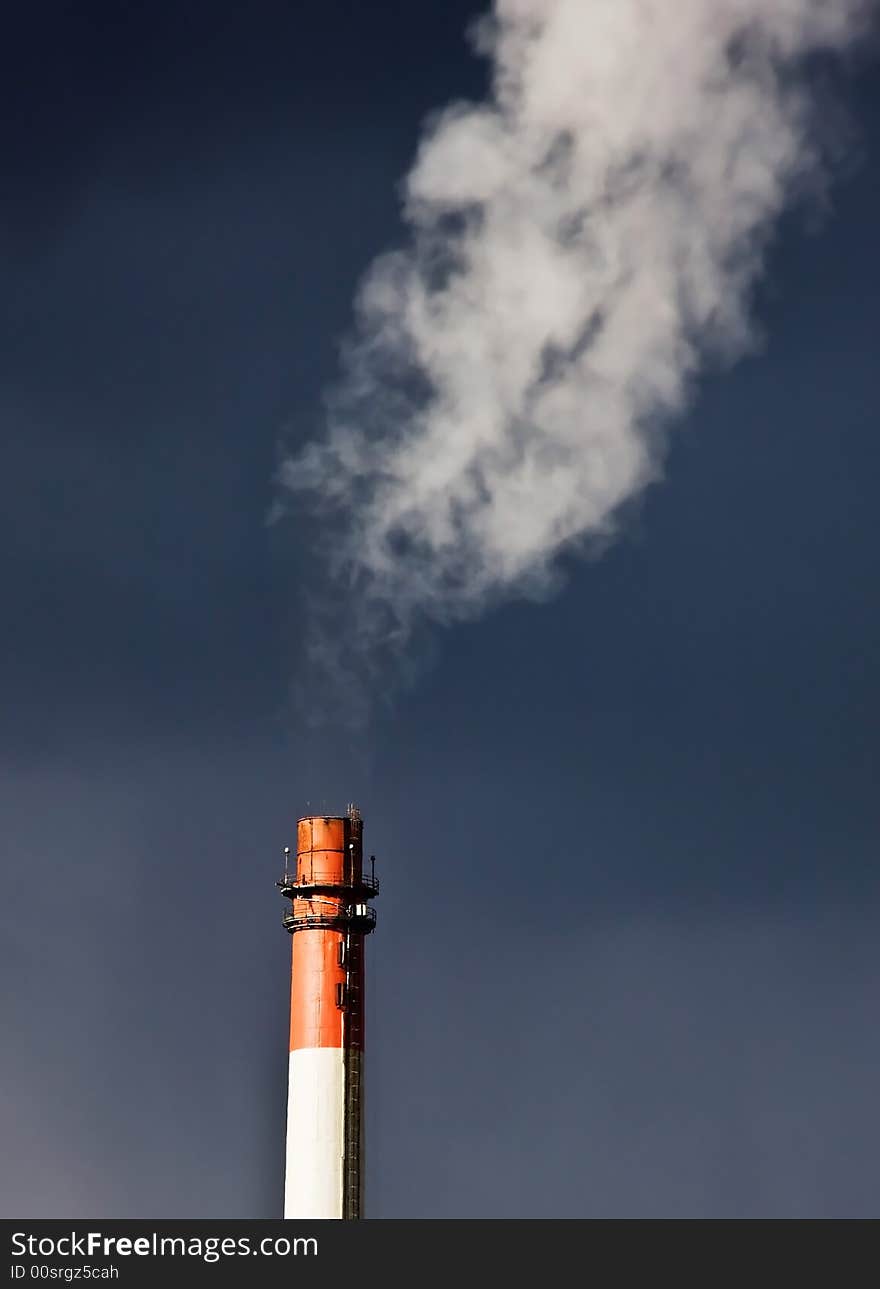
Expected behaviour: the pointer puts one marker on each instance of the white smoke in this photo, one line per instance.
(579, 244)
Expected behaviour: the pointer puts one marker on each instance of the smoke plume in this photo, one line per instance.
(579, 244)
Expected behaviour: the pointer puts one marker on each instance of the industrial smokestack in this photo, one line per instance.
(580, 243)
(328, 918)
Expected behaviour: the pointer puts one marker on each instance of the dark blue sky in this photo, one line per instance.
(626, 960)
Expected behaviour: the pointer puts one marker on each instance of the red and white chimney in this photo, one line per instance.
(328, 918)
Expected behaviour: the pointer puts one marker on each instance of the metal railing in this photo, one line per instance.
(364, 884)
(348, 917)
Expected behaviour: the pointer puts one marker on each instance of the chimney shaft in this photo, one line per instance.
(328, 918)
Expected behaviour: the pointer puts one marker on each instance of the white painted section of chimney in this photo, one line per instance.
(315, 1133)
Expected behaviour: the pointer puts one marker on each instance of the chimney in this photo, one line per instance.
(328, 918)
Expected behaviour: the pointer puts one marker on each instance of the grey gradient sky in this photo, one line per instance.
(626, 961)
